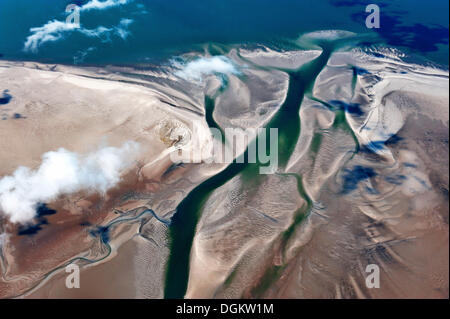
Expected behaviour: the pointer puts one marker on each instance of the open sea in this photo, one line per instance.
(152, 31)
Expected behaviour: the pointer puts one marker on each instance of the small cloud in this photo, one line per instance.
(141, 8)
(122, 29)
(49, 32)
(197, 69)
(126, 22)
(81, 55)
(102, 5)
(55, 30)
(62, 173)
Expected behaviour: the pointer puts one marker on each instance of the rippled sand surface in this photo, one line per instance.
(373, 158)
(366, 181)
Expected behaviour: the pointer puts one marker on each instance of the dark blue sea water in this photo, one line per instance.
(148, 31)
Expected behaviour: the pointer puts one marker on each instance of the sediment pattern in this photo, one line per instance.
(362, 178)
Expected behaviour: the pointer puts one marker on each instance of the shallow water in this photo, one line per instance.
(161, 29)
(183, 225)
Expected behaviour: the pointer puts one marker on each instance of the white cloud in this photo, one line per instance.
(55, 30)
(81, 55)
(60, 173)
(51, 31)
(122, 29)
(101, 5)
(195, 70)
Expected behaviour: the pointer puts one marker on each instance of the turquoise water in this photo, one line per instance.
(163, 28)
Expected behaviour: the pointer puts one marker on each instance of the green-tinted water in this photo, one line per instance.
(287, 121)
